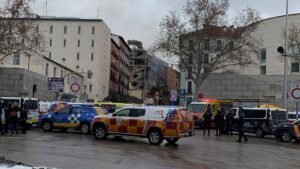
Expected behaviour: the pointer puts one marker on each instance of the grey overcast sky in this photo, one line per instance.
(139, 19)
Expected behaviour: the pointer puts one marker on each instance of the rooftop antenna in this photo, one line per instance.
(98, 12)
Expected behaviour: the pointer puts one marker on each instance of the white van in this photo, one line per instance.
(261, 121)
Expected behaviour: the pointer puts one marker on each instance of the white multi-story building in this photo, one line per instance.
(82, 45)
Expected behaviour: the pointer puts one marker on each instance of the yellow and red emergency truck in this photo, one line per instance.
(198, 108)
(155, 123)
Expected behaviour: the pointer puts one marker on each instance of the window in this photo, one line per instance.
(137, 113)
(263, 70)
(92, 56)
(206, 58)
(46, 69)
(77, 66)
(123, 113)
(219, 44)
(93, 43)
(61, 73)
(78, 43)
(93, 30)
(231, 45)
(263, 55)
(50, 42)
(54, 72)
(79, 30)
(191, 45)
(65, 29)
(206, 44)
(189, 86)
(16, 59)
(190, 59)
(76, 110)
(65, 42)
(51, 29)
(65, 111)
(36, 42)
(91, 88)
(190, 72)
(37, 29)
(50, 55)
(295, 67)
(78, 55)
(255, 113)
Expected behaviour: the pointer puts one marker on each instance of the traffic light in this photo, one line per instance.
(34, 89)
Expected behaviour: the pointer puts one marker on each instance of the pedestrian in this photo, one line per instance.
(218, 122)
(229, 122)
(1, 108)
(23, 117)
(241, 125)
(207, 120)
(6, 106)
(13, 118)
(222, 121)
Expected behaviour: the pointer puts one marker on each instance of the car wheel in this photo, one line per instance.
(259, 133)
(172, 140)
(47, 126)
(85, 128)
(155, 137)
(286, 136)
(100, 132)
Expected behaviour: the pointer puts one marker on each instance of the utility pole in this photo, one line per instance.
(286, 54)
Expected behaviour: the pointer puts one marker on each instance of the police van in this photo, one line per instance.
(260, 121)
(154, 123)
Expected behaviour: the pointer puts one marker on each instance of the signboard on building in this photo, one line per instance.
(56, 84)
(173, 95)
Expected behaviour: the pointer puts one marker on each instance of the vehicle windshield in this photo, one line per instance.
(197, 107)
(31, 104)
(293, 116)
(279, 116)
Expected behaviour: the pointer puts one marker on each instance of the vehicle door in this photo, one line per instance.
(119, 122)
(60, 117)
(137, 121)
(73, 118)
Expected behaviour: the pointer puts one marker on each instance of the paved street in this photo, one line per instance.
(73, 150)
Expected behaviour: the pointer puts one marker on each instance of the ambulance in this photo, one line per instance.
(198, 108)
(154, 123)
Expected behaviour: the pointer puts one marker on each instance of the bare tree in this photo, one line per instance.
(294, 42)
(18, 31)
(197, 40)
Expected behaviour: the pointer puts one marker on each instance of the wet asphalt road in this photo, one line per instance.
(76, 151)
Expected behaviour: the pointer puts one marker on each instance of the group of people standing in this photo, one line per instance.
(11, 118)
(223, 123)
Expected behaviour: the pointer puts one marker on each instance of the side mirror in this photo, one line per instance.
(113, 114)
(56, 112)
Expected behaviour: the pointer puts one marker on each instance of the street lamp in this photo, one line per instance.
(285, 57)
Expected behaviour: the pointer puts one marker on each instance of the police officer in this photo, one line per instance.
(207, 119)
(1, 108)
(218, 121)
(241, 125)
(229, 122)
(6, 106)
(23, 116)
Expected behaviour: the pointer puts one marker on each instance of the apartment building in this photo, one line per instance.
(82, 45)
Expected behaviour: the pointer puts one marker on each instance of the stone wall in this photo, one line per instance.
(16, 82)
(247, 88)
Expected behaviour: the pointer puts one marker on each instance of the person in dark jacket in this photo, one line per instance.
(229, 122)
(207, 119)
(218, 121)
(6, 111)
(241, 125)
(23, 117)
(13, 118)
(1, 108)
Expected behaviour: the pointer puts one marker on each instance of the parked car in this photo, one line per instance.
(78, 117)
(154, 123)
(287, 131)
(260, 121)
